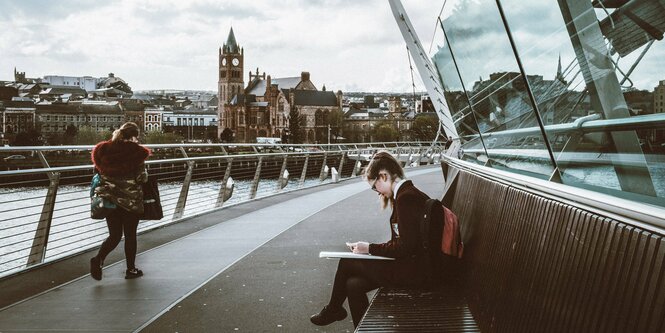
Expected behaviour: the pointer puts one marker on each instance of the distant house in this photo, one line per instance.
(206, 101)
(6, 93)
(87, 83)
(192, 123)
(16, 117)
(182, 103)
(52, 93)
(109, 92)
(100, 115)
(30, 89)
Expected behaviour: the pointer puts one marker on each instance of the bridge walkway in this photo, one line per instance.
(254, 269)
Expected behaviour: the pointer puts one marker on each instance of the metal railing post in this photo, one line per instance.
(356, 168)
(304, 171)
(255, 182)
(40, 242)
(323, 174)
(182, 200)
(341, 164)
(408, 159)
(222, 190)
(280, 180)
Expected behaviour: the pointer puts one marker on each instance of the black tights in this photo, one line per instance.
(119, 221)
(354, 278)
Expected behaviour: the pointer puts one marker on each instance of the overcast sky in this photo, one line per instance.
(153, 44)
(352, 45)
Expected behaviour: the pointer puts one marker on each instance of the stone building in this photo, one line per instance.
(262, 108)
(101, 116)
(16, 117)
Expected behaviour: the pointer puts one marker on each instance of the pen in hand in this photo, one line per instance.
(359, 247)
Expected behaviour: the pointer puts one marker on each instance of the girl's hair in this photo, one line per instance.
(383, 161)
(127, 131)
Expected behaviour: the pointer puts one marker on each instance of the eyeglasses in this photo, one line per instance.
(374, 185)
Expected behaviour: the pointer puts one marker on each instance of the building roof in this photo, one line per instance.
(61, 90)
(258, 87)
(314, 98)
(231, 46)
(143, 97)
(242, 99)
(195, 111)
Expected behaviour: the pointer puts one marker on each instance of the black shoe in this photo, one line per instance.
(95, 269)
(133, 273)
(328, 316)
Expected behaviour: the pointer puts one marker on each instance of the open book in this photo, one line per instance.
(350, 255)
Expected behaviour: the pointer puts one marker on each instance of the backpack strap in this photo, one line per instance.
(425, 226)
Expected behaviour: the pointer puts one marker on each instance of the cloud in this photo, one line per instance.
(344, 44)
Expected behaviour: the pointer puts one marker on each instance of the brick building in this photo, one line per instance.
(262, 107)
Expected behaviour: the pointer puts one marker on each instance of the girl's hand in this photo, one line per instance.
(359, 247)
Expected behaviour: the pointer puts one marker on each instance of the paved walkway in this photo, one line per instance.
(257, 272)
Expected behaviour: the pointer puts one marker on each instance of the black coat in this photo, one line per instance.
(404, 244)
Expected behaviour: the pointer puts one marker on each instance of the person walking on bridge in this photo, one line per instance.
(356, 277)
(121, 164)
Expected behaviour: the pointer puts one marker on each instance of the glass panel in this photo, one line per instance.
(490, 74)
(595, 90)
(463, 116)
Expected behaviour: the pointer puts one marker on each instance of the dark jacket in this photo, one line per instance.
(404, 243)
(121, 165)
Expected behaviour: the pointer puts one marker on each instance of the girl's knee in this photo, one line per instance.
(355, 284)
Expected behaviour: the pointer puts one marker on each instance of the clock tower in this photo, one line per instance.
(230, 83)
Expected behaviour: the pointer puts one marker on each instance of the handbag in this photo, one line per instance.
(99, 207)
(152, 206)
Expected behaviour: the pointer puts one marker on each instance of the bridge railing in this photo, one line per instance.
(45, 203)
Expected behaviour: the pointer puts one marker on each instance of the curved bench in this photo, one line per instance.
(535, 264)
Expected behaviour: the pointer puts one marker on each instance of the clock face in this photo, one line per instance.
(235, 61)
(224, 62)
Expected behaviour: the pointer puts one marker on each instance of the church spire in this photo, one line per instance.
(559, 74)
(231, 45)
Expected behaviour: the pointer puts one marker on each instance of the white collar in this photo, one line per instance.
(397, 188)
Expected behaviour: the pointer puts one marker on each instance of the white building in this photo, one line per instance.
(87, 83)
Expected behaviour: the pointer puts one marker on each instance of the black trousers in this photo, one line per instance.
(356, 277)
(120, 221)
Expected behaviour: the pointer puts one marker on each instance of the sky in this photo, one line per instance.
(348, 45)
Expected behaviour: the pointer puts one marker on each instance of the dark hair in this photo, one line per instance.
(383, 161)
(127, 131)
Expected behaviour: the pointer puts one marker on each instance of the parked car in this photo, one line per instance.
(14, 157)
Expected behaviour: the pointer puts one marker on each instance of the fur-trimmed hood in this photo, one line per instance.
(119, 159)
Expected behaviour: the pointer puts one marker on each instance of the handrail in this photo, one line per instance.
(640, 214)
(588, 125)
(42, 223)
(225, 145)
